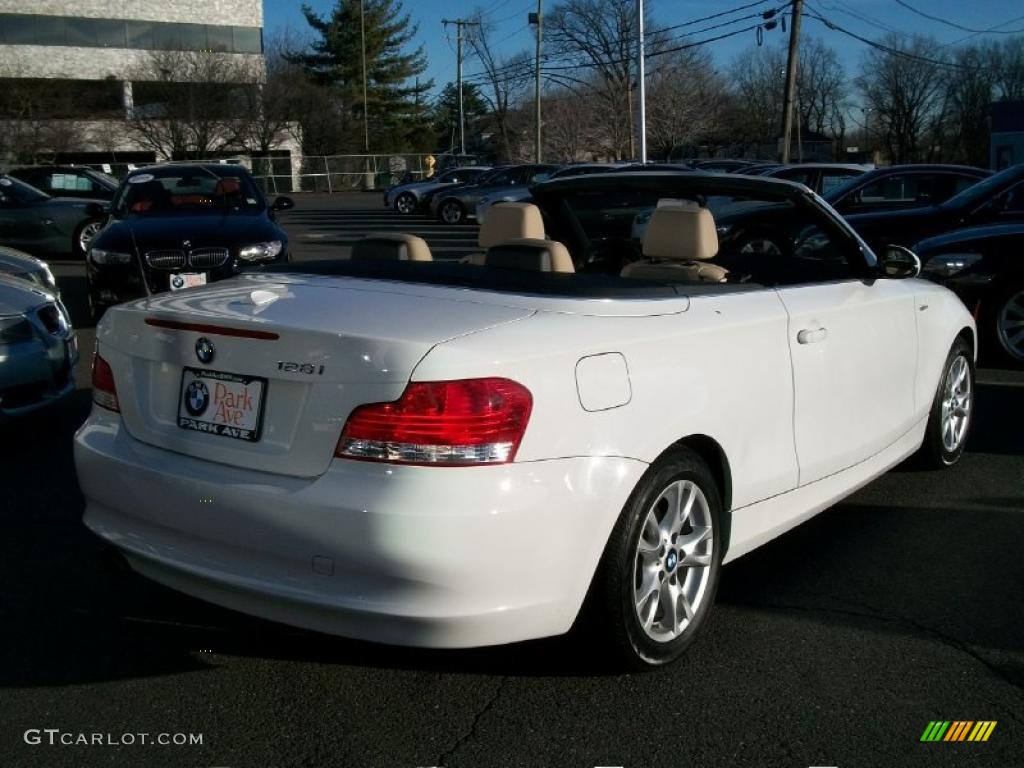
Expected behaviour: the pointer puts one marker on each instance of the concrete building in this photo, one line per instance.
(100, 54)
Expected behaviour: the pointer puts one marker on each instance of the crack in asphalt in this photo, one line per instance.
(867, 611)
(487, 707)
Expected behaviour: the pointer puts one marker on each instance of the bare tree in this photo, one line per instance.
(190, 104)
(1007, 60)
(503, 80)
(685, 99)
(758, 80)
(269, 108)
(905, 91)
(570, 126)
(37, 118)
(598, 38)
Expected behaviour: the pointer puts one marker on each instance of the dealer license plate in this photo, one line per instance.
(219, 403)
(187, 280)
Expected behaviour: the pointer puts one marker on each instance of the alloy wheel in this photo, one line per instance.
(405, 203)
(672, 564)
(88, 232)
(957, 400)
(451, 212)
(1010, 326)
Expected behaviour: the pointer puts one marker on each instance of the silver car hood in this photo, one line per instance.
(18, 262)
(18, 296)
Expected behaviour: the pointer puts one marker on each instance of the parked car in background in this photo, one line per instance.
(903, 186)
(68, 181)
(821, 178)
(522, 194)
(450, 454)
(38, 348)
(20, 264)
(758, 169)
(180, 225)
(32, 221)
(998, 199)
(721, 165)
(984, 266)
(431, 197)
(755, 233)
(458, 206)
(406, 198)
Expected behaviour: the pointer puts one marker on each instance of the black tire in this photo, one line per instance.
(451, 212)
(406, 203)
(1002, 341)
(935, 452)
(77, 247)
(612, 604)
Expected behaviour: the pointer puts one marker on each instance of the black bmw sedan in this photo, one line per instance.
(176, 226)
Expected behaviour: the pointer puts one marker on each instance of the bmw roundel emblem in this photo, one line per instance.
(177, 282)
(197, 397)
(204, 350)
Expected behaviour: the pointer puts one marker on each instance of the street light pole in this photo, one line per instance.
(641, 92)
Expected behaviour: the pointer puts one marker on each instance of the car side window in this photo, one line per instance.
(892, 190)
(832, 179)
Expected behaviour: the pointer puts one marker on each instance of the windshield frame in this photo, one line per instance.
(171, 171)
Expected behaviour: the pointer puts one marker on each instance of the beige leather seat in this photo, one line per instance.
(530, 254)
(391, 246)
(679, 241)
(504, 222)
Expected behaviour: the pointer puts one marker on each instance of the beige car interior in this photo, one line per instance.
(678, 245)
(391, 246)
(530, 254)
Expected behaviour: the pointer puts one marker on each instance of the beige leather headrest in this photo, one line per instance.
(530, 254)
(511, 221)
(681, 233)
(391, 246)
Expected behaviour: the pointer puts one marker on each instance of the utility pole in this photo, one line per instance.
(535, 18)
(459, 24)
(791, 66)
(641, 92)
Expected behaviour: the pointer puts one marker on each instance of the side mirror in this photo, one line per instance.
(897, 262)
(97, 210)
(282, 204)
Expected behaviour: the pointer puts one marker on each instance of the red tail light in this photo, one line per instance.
(452, 423)
(103, 390)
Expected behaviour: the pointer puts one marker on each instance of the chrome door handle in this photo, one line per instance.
(812, 335)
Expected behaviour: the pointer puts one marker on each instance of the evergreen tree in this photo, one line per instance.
(394, 95)
(446, 114)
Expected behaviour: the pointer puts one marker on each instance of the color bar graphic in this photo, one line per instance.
(958, 730)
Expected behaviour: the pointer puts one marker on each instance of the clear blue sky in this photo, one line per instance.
(869, 18)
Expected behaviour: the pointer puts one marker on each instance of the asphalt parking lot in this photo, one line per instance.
(834, 645)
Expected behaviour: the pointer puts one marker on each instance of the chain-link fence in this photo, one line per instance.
(284, 173)
(345, 173)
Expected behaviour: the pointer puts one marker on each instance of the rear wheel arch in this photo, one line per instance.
(711, 451)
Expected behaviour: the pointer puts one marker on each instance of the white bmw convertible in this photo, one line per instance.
(445, 454)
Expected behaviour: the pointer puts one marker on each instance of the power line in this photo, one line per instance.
(708, 18)
(880, 46)
(954, 25)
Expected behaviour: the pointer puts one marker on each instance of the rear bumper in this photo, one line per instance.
(422, 556)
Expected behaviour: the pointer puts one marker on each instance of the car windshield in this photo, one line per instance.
(20, 191)
(979, 193)
(188, 189)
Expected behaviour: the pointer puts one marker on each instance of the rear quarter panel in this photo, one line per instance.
(721, 369)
